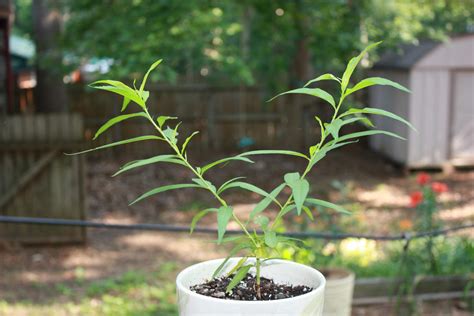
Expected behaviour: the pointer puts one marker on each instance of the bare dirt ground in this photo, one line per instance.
(378, 188)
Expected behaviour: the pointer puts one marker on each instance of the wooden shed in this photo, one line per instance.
(441, 105)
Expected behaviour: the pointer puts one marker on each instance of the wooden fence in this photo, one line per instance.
(37, 180)
(224, 116)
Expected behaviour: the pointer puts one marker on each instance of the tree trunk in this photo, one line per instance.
(50, 90)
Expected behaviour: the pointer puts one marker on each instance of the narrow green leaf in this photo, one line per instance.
(368, 133)
(118, 88)
(334, 127)
(237, 266)
(333, 144)
(308, 212)
(232, 253)
(322, 77)
(186, 142)
(145, 78)
(125, 103)
(122, 142)
(263, 204)
(162, 119)
(164, 189)
(145, 95)
(227, 182)
(239, 276)
(148, 161)
(171, 135)
(327, 204)
(198, 217)
(224, 160)
(300, 189)
(223, 216)
(372, 81)
(316, 92)
(287, 209)
(270, 238)
(116, 120)
(274, 152)
(353, 64)
(380, 112)
(249, 187)
(204, 184)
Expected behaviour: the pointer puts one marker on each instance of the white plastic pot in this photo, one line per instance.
(338, 293)
(281, 271)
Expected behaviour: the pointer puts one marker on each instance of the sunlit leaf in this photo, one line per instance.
(227, 182)
(152, 160)
(164, 189)
(299, 188)
(204, 184)
(372, 81)
(322, 77)
(162, 119)
(119, 88)
(327, 204)
(186, 142)
(237, 266)
(353, 64)
(239, 276)
(224, 160)
(273, 152)
(368, 133)
(380, 112)
(249, 187)
(122, 142)
(145, 78)
(263, 204)
(315, 92)
(308, 212)
(116, 120)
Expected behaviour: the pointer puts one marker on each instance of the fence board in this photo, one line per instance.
(37, 181)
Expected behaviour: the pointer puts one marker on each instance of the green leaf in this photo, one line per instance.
(352, 65)
(316, 92)
(248, 187)
(262, 221)
(239, 276)
(322, 77)
(327, 204)
(162, 119)
(368, 133)
(263, 204)
(308, 212)
(204, 184)
(223, 216)
(237, 266)
(119, 88)
(270, 238)
(287, 209)
(171, 135)
(372, 81)
(224, 160)
(116, 120)
(198, 217)
(152, 160)
(334, 127)
(380, 112)
(145, 78)
(273, 152)
(145, 95)
(186, 142)
(227, 182)
(125, 103)
(333, 144)
(299, 188)
(122, 142)
(164, 189)
(232, 253)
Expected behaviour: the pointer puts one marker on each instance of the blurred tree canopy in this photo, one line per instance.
(272, 43)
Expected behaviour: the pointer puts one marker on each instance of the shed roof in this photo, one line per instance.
(406, 56)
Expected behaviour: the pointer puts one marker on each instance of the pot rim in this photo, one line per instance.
(314, 292)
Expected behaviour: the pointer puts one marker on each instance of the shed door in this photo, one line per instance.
(462, 128)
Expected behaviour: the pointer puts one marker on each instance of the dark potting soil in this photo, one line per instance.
(245, 290)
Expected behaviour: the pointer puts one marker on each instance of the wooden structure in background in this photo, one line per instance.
(441, 105)
(37, 179)
(223, 115)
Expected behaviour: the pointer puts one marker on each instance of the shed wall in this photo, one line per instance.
(395, 101)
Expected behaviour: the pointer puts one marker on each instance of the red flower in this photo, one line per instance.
(416, 198)
(423, 178)
(439, 187)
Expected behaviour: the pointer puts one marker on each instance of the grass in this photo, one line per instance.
(130, 294)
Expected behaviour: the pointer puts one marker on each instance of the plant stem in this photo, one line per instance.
(257, 277)
(199, 175)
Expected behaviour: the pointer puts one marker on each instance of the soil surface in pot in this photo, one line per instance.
(245, 290)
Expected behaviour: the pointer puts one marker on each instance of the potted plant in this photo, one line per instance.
(256, 283)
